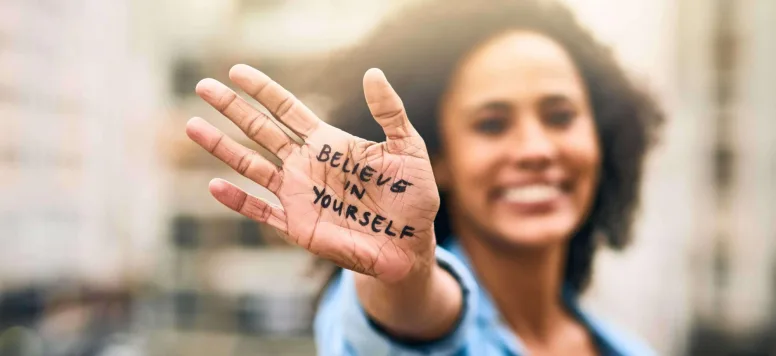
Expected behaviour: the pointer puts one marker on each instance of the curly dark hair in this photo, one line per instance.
(420, 47)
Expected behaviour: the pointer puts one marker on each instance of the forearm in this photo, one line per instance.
(423, 306)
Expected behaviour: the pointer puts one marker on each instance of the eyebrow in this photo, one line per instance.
(554, 99)
(503, 105)
(497, 105)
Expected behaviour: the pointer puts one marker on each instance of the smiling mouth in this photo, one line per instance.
(531, 194)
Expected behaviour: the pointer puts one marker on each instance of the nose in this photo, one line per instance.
(531, 146)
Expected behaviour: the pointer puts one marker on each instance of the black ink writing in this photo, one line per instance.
(335, 158)
(336, 208)
(365, 219)
(345, 165)
(407, 231)
(378, 224)
(354, 190)
(388, 229)
(380, 180)
(318, 194)
(351, 212)
(400, 186)
(359, 194)
(366, 173)
(324, 155)
(355, 168)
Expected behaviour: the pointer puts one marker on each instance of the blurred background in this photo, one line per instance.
(110, 243)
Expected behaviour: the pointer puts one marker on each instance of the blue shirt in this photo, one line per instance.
(343, 328)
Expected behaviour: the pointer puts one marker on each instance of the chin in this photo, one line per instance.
(535, 231)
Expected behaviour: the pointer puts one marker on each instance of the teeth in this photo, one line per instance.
(531, 193)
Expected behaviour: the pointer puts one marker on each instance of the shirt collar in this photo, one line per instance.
(487, 314)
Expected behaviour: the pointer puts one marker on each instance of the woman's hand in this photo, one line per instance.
(366, 206)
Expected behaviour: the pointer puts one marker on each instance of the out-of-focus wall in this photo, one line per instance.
(700, 276)
(79, 172)
(644, 288)
(749, 288)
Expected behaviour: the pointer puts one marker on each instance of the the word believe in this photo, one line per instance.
(366, 172)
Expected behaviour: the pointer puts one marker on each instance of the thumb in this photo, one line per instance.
(386, 106)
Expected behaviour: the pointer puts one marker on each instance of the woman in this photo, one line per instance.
(526, 148)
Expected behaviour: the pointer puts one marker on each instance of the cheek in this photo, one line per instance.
(469, 167)
(583, 155)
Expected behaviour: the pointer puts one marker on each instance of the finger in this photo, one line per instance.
(279, 101)
(386, 106)
(254, 123)
(242, 159)
(252, 207)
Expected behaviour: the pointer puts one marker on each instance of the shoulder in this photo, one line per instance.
(329, 299)
(616, 338)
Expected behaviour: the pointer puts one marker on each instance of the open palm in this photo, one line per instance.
(366, 206)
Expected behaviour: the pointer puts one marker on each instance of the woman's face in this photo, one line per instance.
(520, 158)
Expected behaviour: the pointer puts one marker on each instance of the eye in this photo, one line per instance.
(491, 126)
(560, 117)
(557, 111)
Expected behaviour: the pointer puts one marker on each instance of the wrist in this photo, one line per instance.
(424, 305)
(422, 269)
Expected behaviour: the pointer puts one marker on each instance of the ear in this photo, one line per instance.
(441, 172)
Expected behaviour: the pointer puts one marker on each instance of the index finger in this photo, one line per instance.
(279, 101)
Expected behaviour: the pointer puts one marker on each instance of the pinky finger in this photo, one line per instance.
(248, 205)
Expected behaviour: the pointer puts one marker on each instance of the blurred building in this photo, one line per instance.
(80, 212)
(699, 278)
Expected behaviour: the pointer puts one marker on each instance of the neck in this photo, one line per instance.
(525, 283)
